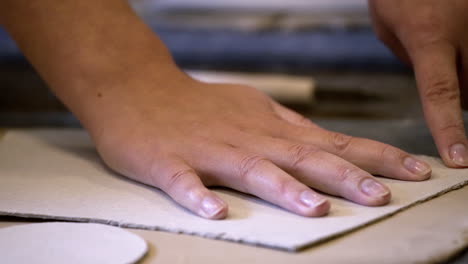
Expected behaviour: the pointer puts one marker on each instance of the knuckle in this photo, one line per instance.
(249, 165)
(424, 33)
(300, 153)
(174, 179)
(388, 153)
(281, 187)
(442, 90)
(302, 120)
(348, 174)
(451, 127)
(340, 142)
(424, 29)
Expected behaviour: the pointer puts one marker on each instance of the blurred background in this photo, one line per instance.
(350, 81)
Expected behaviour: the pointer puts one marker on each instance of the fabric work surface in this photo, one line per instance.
(57, 174)
(69, 243)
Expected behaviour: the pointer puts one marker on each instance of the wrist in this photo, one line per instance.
(108, 95)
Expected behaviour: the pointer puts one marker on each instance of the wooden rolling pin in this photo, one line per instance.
(283, 88)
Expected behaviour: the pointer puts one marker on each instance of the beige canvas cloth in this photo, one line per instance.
(57, 174)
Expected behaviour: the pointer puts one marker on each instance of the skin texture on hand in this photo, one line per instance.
(154, 124)
(431, 36)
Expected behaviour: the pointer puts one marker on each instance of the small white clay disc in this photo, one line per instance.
(57, 242)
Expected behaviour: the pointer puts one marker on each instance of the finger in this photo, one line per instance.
(250, 173)
(436, 75)
(372, 156)
(183, 185)
(321, 170)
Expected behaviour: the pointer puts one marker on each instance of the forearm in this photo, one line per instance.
(79, 47)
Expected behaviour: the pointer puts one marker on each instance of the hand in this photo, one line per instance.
(186, 135)
(431, 35)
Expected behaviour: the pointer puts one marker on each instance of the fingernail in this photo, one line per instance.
(211, 206)
(416, 166)
(311, 199)
(373, 188)
(459, 154)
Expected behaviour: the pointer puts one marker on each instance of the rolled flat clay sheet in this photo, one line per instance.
(69, 243)
(57, 174)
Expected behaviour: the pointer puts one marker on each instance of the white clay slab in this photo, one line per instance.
(57, 174)
(55, 243)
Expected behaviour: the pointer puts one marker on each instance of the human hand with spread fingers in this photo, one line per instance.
(153, 123)
(187, 135)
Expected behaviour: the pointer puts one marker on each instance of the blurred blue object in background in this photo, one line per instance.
(266, 51)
